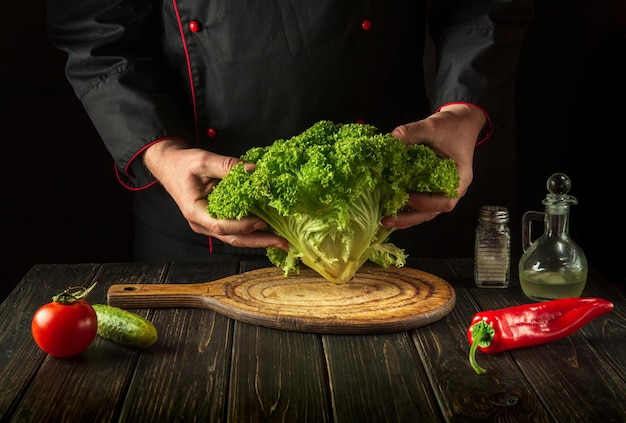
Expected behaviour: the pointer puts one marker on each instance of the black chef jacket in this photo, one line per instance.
(227, 75)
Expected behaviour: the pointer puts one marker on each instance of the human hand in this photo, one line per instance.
(189, 175)
(452, 133)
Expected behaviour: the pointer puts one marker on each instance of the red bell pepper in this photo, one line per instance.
(526, 325)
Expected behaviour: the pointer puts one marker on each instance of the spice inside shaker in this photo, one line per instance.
(492, 251)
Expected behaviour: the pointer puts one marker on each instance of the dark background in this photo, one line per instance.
(63, 204)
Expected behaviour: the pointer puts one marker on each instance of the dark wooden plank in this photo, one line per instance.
(20, 358)
(277, 376)
(184, 376)
(89, 386)
(608, 335)
(378, 378)
(372, 378)
(575, 373)
(502, 394)
(305, 382)
(576, 383)
(368, 373)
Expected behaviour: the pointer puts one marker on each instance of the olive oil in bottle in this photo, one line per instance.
(553, 266)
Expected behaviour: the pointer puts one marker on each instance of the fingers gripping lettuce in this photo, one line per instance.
(326, 190)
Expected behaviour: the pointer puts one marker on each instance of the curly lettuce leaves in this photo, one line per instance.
(326, 190)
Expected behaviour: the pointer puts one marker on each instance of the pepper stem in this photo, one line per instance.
(482, 335)
(472, 359)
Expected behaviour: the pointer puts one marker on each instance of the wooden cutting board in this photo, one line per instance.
(377, 300)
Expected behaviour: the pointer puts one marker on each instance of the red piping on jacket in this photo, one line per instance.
(193, 100)
(195, 118)
(189, 72)
(125, 185)
(132, 159)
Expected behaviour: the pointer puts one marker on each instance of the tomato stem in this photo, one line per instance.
(73, 293)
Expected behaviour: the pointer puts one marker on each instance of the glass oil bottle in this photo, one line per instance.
(553, 266)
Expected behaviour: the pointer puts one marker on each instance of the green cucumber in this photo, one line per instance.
(124, 327)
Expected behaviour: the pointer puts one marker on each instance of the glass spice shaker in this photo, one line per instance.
(492, 251)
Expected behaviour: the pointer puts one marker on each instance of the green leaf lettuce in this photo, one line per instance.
(326, 190)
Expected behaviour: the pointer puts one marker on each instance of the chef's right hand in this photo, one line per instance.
(189, 175)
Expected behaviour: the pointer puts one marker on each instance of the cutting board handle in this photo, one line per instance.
(195, 295)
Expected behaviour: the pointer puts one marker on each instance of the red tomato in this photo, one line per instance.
(64, 329)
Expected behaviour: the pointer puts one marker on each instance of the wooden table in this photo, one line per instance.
(206, 367)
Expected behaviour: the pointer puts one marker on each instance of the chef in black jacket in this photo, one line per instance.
(178, 89)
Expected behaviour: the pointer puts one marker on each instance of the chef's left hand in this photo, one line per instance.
(451, 132)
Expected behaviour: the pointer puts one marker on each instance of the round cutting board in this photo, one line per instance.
(377, 300)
